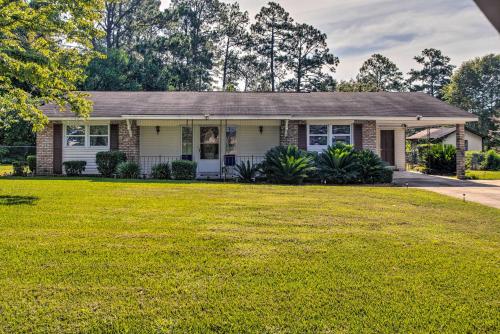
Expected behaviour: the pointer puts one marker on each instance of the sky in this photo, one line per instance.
(398, 29)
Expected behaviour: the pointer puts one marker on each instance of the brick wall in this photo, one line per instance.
(45, 150)
(460, 151)
(129, 142)
(369, 135)
(292, 137)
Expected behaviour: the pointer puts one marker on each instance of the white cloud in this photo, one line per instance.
(398, 29)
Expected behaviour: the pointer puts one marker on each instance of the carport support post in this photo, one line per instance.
(460, 151)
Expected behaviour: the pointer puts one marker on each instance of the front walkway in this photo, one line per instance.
(486, 192)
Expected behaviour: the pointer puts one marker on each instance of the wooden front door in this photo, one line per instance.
(387, 146)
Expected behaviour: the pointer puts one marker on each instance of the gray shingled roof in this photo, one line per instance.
(381, 104)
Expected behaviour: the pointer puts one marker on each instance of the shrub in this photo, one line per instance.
(108, 161)
(161, 171)
(339, 164)
(74, 167)
(386, 176)
(128, 170)
(246, 172)
(31, 160)
(371, 168)
(491, 161)
(184, 169)
(474, 159)
(4, 151)
(288, 165)
(19, 168)
(440, 159)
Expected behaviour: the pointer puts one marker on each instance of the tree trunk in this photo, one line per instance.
(224, 74)
(272, 59)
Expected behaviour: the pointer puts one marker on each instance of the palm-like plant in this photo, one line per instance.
(288, 165)
(339, 164)
(371, 168)
(245, 171)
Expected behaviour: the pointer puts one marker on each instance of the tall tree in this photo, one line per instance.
(434, 75)
(307, 55)
(233, 24)
(44, 48)
(270, 32)
(475, 87)
(252, 69)
(380, 74)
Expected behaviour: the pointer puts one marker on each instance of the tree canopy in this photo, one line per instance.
(379, 73)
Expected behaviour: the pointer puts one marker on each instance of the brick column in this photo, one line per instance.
(369, 135)
(128, 141)
(292, 135)
(460, 151)
(45, 150)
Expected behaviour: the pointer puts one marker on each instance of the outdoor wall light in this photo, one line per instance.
(261, 129)
(157, 130)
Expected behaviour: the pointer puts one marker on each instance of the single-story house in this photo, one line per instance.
(218, 129)
(447, 135)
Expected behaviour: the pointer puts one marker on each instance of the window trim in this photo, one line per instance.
(86, 136)
(329, 135)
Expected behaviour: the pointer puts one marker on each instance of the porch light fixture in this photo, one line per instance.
(207, 116)
(261, 129)
(419, 117)
(157, 130)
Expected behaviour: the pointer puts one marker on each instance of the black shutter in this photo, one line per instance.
(358, 136)
(57, 146)
(113, 137)
(302, 134)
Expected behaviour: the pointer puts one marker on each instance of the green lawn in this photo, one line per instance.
(97, 256)
(483, 174)
(5, 169)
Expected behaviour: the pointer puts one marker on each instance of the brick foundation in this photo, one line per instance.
(45, 150)
(129, 142)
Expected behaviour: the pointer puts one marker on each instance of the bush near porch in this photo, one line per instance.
(155, 257)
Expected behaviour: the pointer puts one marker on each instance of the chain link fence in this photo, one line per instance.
(9, 154)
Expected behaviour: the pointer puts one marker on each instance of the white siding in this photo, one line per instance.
(475, 142)
(85, 153)
(166, 143)
(251, 142)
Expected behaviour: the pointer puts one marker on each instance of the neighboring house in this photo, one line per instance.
(218, 129)
(447, 135)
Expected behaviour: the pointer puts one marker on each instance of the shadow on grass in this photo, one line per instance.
(17, 200)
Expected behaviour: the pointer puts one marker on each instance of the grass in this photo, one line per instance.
(5, 169)
(97, 256)
(483, 175)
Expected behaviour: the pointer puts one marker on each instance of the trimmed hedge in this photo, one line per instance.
(108, 161)
(31, 160)
(161, 171)
(74, 167)
(128, 170)
(184, 170)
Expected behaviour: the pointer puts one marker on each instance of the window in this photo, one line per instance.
(209, 142)
(75, 135)
(230, 140)
(318, 135)
(341, 134)
(99, 135)
(87, 135)
(187, 142)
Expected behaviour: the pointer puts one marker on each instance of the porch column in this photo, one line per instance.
(369, 135)
(460, 151)
(128, 139)
(45, 150)
(289, 132)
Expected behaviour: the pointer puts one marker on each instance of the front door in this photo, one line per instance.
(209, 162)
(387, 146)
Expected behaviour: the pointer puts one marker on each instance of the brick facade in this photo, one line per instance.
(460, 151)
(292, 135)
(45, 150)
(129, 142)
(369, 135)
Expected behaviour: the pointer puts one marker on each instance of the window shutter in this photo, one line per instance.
(113, 137)
(302, 134)
(57, 146)
(358, 136)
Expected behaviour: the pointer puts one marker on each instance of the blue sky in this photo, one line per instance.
(399, 29)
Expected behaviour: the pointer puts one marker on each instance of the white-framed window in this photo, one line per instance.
(86, 135)
(319, 136)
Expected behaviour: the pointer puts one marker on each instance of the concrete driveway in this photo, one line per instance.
(486, 192)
